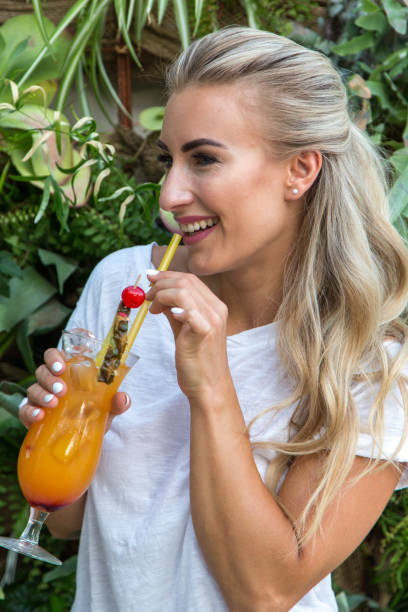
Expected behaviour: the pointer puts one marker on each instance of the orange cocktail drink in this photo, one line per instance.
(60, 454)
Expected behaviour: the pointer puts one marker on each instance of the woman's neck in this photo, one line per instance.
(252, 298)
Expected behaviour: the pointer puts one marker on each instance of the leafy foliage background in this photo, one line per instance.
(46, 255)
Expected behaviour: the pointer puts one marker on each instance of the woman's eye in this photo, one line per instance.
(165, 159)
(204, 159)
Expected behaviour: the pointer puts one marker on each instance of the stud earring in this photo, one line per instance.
(295, 191)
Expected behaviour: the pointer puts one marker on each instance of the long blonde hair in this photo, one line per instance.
(346, 281)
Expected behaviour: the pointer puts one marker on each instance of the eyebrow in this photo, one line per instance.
(192, 144)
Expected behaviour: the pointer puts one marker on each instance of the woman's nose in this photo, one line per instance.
(176, 191)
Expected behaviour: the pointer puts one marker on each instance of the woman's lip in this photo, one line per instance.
(189, 239)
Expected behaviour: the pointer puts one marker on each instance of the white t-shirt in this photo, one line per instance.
(138, 550)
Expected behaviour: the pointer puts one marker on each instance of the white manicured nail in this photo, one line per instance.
(22, 403)
(57, 387)
(57, 366)
(35, 412)
(176, 310)
(48, 398)
(152, 272)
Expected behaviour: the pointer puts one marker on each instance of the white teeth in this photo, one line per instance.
(197, 225)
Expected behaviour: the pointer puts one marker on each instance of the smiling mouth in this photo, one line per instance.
(198, 226)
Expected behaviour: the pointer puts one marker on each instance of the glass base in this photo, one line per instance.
(28, 548)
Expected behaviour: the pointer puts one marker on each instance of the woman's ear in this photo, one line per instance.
(303, 169)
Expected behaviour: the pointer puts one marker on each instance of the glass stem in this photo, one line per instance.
(32, 531)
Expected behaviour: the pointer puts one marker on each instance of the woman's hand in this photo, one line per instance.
(199, 322)
(49, 387)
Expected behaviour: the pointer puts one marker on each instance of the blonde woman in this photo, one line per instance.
(267, 425)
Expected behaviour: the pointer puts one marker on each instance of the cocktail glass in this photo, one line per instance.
(60, 453)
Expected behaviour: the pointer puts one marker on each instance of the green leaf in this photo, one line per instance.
(399, 196)
(27, 179)
(161, 10)
(15, 54)
(5, 341)
(397, 15)
(37, 7)
(57, 604)
(152, 118)
(8, 266)
(250, 9)
(120, 9)
(378, 89)
(375, 22)
(181, 15)
(76, 53)
(342, 603)
(11, 395)
(81, 90)
(24, 36)
(198, 9)
(64, 266)
(4, 174)
(140, 16)
(399, 68)
(368, 6)
(399, 159)
(355, 45)
(391, 61)
(68, 568)
(24, 346)
(47, 317)
(44, 200)
(58, 34)
(60, 205)
(107, 82)
(27, 293)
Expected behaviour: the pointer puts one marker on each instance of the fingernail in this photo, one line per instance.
(35, 412)
(48, 398)
(22, 403)
(127, 401)
(176, 310)
(152, 272)
(57, 387)
(57, 366)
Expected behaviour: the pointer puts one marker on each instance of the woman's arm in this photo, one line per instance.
(66, 523)
(247, 541)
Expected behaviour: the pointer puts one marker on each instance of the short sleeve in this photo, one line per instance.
(395, 440)
(100, 297)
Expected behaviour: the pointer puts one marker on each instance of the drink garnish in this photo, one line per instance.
(132, 297)
(118, 342)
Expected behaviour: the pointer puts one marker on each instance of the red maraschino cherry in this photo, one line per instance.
(133, 297)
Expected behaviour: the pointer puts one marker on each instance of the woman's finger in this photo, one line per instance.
(54, 360)
(193, 318)
(49, 382)
(38, 396)
(120, 403)
(29, 414)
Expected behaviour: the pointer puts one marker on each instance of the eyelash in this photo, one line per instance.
(203, 158)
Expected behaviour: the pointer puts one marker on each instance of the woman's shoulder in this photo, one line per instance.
(122, 264)
(139, 256)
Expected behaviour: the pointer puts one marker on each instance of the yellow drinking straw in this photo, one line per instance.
(142, 312)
